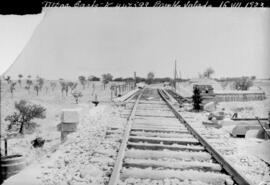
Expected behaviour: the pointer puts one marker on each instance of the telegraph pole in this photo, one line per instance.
(135, 79)
(175, 73)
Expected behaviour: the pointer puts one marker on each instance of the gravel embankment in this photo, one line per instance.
(253, 168)
(87, 157)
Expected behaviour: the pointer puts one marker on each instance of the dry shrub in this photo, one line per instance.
(243, 84)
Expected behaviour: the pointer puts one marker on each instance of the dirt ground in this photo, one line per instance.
(87, 156)
(89, 140)
(237, 151)
(54, 102)
(65, 164)
(248, 109)
(241, 152)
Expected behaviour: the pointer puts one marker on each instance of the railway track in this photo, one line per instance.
(178, 98)
(159, 147)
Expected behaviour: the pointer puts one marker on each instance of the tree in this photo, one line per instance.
(82, 80)
(25, 113)
(119, 79)
(165, 79)
(8, 79)
(89, 79)
(46, 89)
(150, 77)
(77, 95)
(64, 86)
(106, 78)
(20, 79)
(53, 85)
(36, 88)
(208, 72)
(243, 83)
(72, 85)
(197, 99)
(140, 79)
(93, 89)
(40, 82)
(129, 79)
(224, 84)
(95, 78)
(12, 88)
(29, 83)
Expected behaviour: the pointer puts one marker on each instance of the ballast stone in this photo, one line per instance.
(211, 106)
(252, 133)
(218, 115)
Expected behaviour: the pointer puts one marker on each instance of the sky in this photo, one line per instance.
(15, 32)
(68, 42)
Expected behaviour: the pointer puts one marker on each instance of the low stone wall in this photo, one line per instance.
(242, 96)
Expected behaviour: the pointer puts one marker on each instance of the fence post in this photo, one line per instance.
(6, 147)
(111, 93)
(119, 89)
(269, 119)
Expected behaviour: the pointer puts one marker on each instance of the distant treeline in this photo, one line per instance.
(155, 80)
(233, 79)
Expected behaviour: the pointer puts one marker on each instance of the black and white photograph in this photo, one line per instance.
(135, 96)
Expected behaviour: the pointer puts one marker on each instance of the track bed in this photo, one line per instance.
(159, 149)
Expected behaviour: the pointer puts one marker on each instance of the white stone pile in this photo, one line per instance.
(254, 169)
(88, 155)
(171, 181)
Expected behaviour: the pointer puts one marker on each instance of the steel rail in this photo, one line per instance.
(264, 129)
(249, 119)
(236, 175)
(132, 96)
(120, 156)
